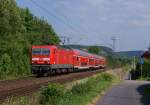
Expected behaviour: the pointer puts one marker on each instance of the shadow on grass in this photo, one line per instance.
(144, 91)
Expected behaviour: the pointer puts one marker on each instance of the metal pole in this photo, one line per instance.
(134, 64)
(141, 70)
(130, 75)
(133, 68)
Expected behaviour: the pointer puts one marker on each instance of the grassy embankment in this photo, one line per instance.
(80, 92)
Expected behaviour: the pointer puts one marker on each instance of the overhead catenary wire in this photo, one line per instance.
(50, 13)
(68, 24)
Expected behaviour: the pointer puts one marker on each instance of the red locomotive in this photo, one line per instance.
(49, 59)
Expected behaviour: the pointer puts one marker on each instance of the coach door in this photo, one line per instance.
(76, 61)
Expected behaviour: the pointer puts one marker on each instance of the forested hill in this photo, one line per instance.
(104, 50)
(108, 51)
(19, 29)
(131, 53)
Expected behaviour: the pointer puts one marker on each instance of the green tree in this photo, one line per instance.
(5, 65)
(19, 30)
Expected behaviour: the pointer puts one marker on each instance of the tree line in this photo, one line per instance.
(19, 30)
(113, 59)
(142, 71)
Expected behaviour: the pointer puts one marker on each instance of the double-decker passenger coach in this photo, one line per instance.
(52, 59)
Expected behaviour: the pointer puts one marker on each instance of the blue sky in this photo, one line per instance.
(94, 22)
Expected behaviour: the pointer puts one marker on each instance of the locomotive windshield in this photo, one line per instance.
(40, 51)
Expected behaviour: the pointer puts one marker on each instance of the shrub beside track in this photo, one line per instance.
(79, 94)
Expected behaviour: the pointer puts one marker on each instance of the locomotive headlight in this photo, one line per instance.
(46, 59)
(35, 59)
(33, 62)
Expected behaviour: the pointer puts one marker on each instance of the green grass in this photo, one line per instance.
(83, 99)
(23, 101)
(81, 93)
(143, 78)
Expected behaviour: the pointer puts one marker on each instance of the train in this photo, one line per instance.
(52, 59)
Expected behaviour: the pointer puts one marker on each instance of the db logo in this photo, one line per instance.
(40, 59)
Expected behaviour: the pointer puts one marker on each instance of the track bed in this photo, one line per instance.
(28, 85)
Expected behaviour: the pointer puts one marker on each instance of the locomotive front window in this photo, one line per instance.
(40, 51)
(45, 51)
(36, 51)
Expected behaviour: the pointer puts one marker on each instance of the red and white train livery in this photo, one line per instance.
(51, 58)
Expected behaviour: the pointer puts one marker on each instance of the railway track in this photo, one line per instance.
(28, 85)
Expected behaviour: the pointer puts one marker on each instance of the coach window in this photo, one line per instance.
(77, 58)
(54, 51)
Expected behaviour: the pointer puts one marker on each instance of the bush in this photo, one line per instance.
(51, 94)
(145, 71)
(82, 88)
(107, 77)
(80, 94)
(5, 65)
